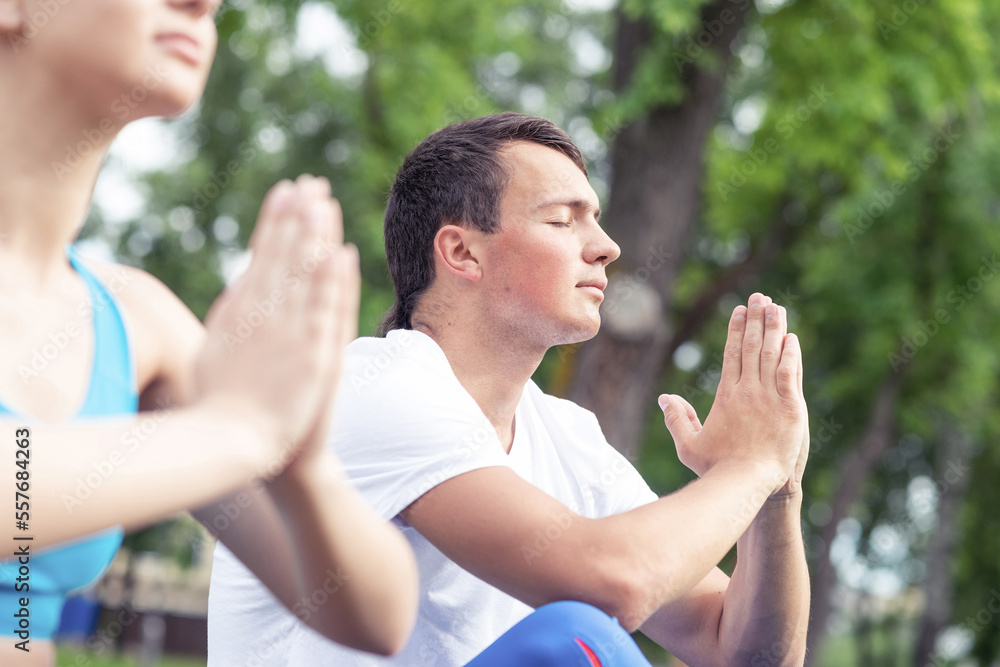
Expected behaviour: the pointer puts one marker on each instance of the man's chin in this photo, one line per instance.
(583, 332)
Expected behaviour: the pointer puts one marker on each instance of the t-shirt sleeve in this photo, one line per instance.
(620, 487)
(403, 424)
(607, 482)
(246, 623)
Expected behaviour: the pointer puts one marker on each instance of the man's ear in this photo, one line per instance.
(453, 246)
(11, 16)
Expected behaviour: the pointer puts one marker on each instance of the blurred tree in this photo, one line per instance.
(670, 106)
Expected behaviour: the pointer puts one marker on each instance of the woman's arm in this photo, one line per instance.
(324, 554)
(307, 530)
(80, 479)
(260, 393)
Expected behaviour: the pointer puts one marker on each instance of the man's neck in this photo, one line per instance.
(493, 369)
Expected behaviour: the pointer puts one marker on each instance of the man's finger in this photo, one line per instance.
(689, 412)
(753, 339)
(770, 351)
(676, 418)
(800, 373)
(732, 360)
(791, 355)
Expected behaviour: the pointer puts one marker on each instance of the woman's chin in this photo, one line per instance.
(172, 103)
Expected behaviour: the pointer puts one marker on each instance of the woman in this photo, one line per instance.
(258, 396)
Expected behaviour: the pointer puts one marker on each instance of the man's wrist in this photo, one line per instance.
(768, 474)
(779, 513)
(785, 501)
(778, 524)
(785, 497)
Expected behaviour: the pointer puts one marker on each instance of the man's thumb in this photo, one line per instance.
(675, 417)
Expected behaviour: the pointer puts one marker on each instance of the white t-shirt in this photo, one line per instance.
(404, 424)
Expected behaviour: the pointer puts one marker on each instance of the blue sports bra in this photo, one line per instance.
(58, 571)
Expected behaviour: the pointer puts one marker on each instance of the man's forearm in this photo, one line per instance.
(766, 609)
(704, 520)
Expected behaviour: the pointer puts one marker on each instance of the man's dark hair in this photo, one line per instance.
(455, 176)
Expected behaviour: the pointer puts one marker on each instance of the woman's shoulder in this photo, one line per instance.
(141, 293)
(127, 283)
(165, 335)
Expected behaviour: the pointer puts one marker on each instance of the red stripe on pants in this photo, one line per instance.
(590, 654)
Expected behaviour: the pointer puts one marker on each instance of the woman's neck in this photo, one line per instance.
(51, 156)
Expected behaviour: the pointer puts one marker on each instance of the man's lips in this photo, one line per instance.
(595, 287)
(183, 46)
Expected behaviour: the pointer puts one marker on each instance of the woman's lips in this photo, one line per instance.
(183, 46)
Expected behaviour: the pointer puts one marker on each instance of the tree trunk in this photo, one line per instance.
(863, 631)
(763, 256)
(858, 467)
(657, 163)
(952, 480)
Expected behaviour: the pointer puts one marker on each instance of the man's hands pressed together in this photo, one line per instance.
(758, 420)
(757, 430)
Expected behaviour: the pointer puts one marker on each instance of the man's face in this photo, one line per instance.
(543, 271)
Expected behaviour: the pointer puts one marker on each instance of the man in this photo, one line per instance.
(512, 499)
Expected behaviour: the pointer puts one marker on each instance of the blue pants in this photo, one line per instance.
(563, 634)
